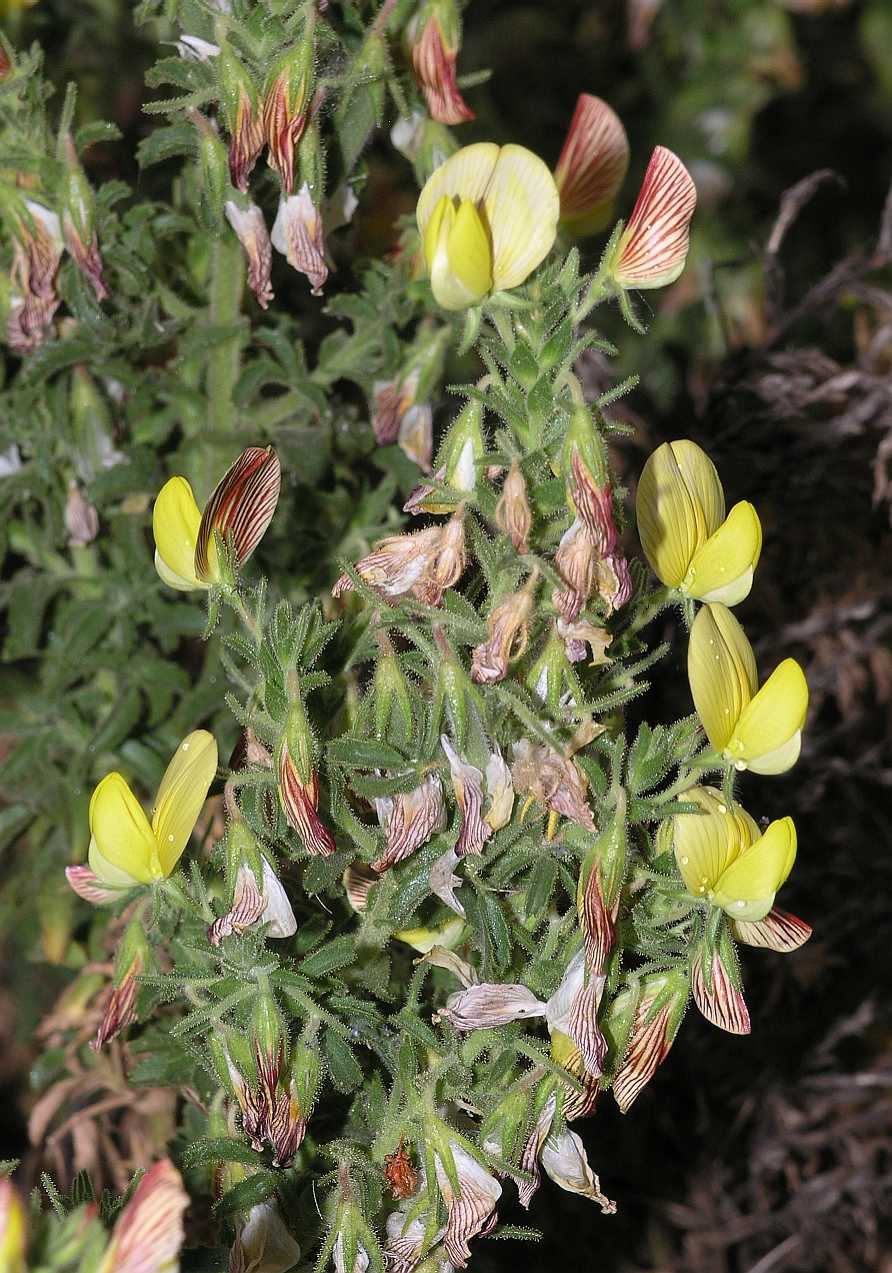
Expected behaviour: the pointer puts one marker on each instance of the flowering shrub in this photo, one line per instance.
(444, 898)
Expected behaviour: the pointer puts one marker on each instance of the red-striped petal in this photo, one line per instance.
(654, 244)
(434, 66)
(720, 1002)
(300, 804)
(779, 931)
(649, 1045)
(149, 1231)
(87, 884)
(593, 162)
(241, 507)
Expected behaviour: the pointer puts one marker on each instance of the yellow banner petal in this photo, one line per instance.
(768, 731)
(121, 831)
(672, 523)
(522, 205)
(702, 480)
(721, 671)
(182, 793)
(722, 569)
(175, 521)
(706, 842)
(466, 174)
(746, 889)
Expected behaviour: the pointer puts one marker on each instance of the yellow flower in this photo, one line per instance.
(239, 510)
(724, 856)
(689, 542)
(125, 848)
(758, 729)
(487, 217)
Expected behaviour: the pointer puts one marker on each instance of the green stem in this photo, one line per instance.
(224, 361)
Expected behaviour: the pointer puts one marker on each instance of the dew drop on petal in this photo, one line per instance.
(684, 860)
(740, 904)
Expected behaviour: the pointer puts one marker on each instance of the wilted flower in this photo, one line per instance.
(36, 253)
(416, 435)
(433, 37)
(444, 881)
(685, 535)
(263, 1243)
(657, 1017)
(81, 518)
(500, 790)
(724, 857)
(148, 1234)
(125, 848)
(397, 564)
(400, 1174)
(652, 249)
(779, 931)
(592, 166)
(410, 819)
(564, 1159)
(392, 399)
(299, 235)
(508, 625)
(250, 227)
(753, 728)
(576, 561)
(552, 780)
(239, 510)
(715, 983)
(471, 1210)
(573, 1011)
(487, 218)
(252, 904)
(358, 880)
(488, 1004)
(576, 636)
(513, 514)
(476, 827)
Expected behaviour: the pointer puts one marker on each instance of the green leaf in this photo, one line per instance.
(540, 886)
(364, 753)
(333, 955)
(248, 1193)
(346, 1073)
(219, 1149)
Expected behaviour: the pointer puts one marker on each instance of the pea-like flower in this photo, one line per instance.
(725, 858)
(690, 543)
(126, 849)
(487, 217)
(240, 509)
(753, 728)
(148, 1233)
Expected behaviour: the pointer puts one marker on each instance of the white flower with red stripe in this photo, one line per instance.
(239, 511)
(148, 1234)
(592, 166)
(653, 247)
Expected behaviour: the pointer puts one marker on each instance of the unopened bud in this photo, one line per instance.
(266, 1027)
(78, 220)
(657, 1017)
(214, 166)
(513, 514)
(287, 95)
(81, 518)
(242, 115)
(462, 448)
(92, 427)
(434, 36)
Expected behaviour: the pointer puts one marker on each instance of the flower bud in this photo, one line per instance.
(286, 98)
(214, 166)
(591, 167)
(390, 690)
(584, 441)
(653, 247)
(462, 448)
(92, 427)
(658, 1014)
(508, 625)
(410, 819)
(434, 38)
(133, 958)
(715, 982)
(242, 115)
(78, 219)
(266, 1030)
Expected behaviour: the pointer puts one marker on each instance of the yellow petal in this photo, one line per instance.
(425, 939)
(679, 504)
(721, 671)
(182, 793)
(767, 736)
(121, 831)
(175, 521)
(465, 174)
(722, 570)
(746, 889)
(706, 842)
(469, 258)
(522, 205)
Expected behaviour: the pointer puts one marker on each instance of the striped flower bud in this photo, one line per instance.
(592, 166)
(715, 982)
(471, 1195)
(242, 115)
(653, 247)
(300, 801)
(656, 1021)
(79, 219)
(434, 36)
(239, 511)
(131, 960)
(285, 107)
(513, 514)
